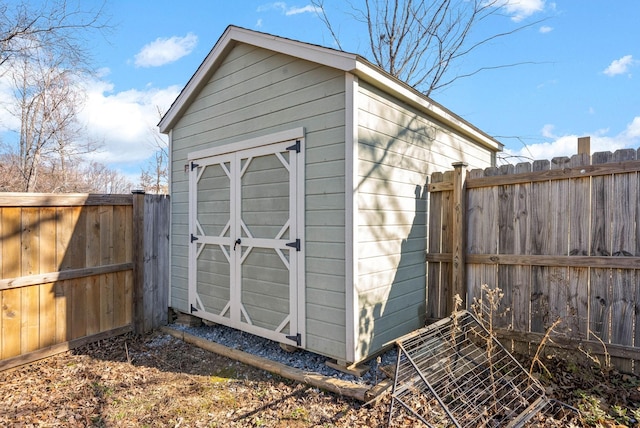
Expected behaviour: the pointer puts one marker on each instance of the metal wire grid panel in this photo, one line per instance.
(455, 373)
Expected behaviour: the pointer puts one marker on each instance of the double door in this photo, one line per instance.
(245, 251)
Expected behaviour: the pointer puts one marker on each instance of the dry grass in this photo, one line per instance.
(165, 382)
(168, 383)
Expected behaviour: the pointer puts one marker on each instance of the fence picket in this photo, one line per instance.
(446, 296)
(521, 295)
(600, 285)
(161, 220)
(434, 286)
(92, 286)
(506, 245)
(539, 245)
(579, 217)
(557, 288)
(623, 243)
(47, 254)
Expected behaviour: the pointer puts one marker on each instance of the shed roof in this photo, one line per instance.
(345, 61)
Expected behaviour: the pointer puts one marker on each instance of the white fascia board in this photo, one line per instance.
(232, 35)
(382, 80)
(330, 57)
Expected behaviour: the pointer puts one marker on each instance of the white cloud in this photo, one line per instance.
(121, 123)
(304, 9)
(521, 9)
(124, 121)
(567, 145)
(287, 10)
(620, 66)
(8, 121)
(633, 129)
(547, 131)
(546, 29)
(278, 5)
(165, 50)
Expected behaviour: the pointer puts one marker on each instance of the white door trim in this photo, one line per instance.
(277, 137)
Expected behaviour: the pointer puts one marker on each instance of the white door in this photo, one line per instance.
(245, 240)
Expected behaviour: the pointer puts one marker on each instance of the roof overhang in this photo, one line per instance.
(347, 62)
(378, 78)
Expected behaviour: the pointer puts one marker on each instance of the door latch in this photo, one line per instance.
(238, 242)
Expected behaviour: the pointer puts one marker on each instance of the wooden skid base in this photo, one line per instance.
(355, 370)
(188, 320)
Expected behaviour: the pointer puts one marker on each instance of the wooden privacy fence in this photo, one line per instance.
(78, 268)
(560, 238)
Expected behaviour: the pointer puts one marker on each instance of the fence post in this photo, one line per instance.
(584, 145)
(138, 261)
(458, 283)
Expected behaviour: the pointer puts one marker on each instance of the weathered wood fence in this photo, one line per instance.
(78, 268)
(561, 238)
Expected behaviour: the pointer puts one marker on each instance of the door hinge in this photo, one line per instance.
(193, 238)
(295, 244)
(193, 308)
(295, 147)
(194, 166)
(297, 338)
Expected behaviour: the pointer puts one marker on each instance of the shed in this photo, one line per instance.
(298, 194)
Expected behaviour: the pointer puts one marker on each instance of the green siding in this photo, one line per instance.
(255, 92)
(398, 148)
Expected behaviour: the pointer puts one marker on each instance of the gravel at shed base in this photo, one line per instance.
(300, 359)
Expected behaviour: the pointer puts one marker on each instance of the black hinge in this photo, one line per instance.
(193, 238)
(295, 147)
(194, 166)
(297, 338)
(295, 244)
(193, 308)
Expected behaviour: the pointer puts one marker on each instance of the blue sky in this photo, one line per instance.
(582, 76)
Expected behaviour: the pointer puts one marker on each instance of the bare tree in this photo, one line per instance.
(100, 179)
(41, 105)
(47, 99)
(9, 174)
(43, 55)
(155, 178)
(418, 41)
(79, 177)
(59, 26)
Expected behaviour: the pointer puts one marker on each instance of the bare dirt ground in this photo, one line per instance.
(160, 381)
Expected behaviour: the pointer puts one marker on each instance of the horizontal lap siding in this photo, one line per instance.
(256, 92)
(325, 235)
(398, 148)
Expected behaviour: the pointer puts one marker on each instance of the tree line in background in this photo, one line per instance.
(43, 60)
